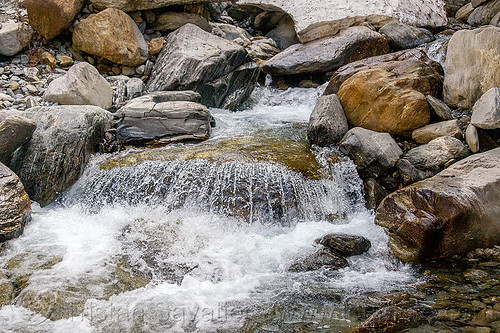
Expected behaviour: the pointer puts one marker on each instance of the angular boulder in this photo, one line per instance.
(346, 71)
(328, 123)
(14, 37)
(472, 63)
(451, 213)
(143, 122)
(131, 6)
(15, 131)
(442, 110)
(113, 35)
(50, 17)
(15, 205)
(486, 111)
(329, 53)
(430, 132)
(59, 149)
(317, 19)
(403, 36)
(371, 150)
(194, 59)
(82, 85)
(390, 98)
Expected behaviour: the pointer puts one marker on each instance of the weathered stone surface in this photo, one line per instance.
(13, 38)
(452, 6)
(368, 148)
(495, 21)
(262, 49)
(451, 213)
(82, 85)
(59, 149)
(434, 155)
(15, 131)
(346, 71)
(230, 32)
(171, 21)
(464, 12)
(328, 54)
(430, 132)
(345, 245)
(155, 46)
(391, 319)
(483, 14)
(169, 96)
(310, 17)
(374, 193)
(486, 111)
(328, 123)
(216, 68)
(442, 110)
(390, 98)
(15, 205)
(50, 17)
(130, 6)
(472, 66)
(284, 33)
(472, 138)
(142, 122)
(402, 36)
(113, 35)
(317, 260)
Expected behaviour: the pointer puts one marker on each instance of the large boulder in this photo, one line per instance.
(371, 151)
(430, 132)
(171, 21)
(454, 212)
(194, 59)
(82, 85)
(472, 66)
(50, 17)
(346, 71)
(131, 6)
(14, 37)
(403, 36)
(113, 35)
(15, 205)
(329, 53)
(317, 19)
(15, 131)
(62, 144)
(486, 111)
(328, 123)
(146, 122)
(391, 97)
(482, 15)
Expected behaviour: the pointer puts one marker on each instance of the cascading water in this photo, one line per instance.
(199, 238)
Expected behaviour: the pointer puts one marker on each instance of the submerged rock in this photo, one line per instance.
(391, 319)
(345, 245)
(59, 149)
(454, 212)
(327, 54)
(317, 260)
(15, 205)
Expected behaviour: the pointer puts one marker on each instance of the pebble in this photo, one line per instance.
(65, 61)
(32, 89)
(48, 59)
(14, 86)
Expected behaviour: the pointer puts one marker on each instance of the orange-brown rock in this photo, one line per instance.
(50, 17)
(155, 46)
(391, 97)
(113, 35)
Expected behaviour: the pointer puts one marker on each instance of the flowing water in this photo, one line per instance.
(199, 238)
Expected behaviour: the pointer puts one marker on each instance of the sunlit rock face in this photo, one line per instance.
(316, 19)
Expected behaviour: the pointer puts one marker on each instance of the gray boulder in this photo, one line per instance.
(430, 132)
(82, 85)
(216, 68)
(483, 14)
(328, 123)
(142, 122)
(230, 32)
(471, 57)
(61, 146)
(371, 149)
(14, 37)
(451, 213)
(15, 131)
(317, 260)
(329, 53)
(437, 154)
(168, 96)
(402, 36)
(15, 205)
(442, 110)
(284, 33)
(486, 111)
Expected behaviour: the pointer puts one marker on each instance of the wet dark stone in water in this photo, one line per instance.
(317, 260)
(390, 319)
(345, 245)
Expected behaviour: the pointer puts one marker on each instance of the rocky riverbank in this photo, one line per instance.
(412, 97)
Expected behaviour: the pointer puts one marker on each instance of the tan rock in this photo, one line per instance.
(390, 98)
(430, 132)
(472, 138)
(171, 21)
(48, 59)
(155, 46)
(464, 12)
(64, 61)
(113, 35)
(50, 17)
